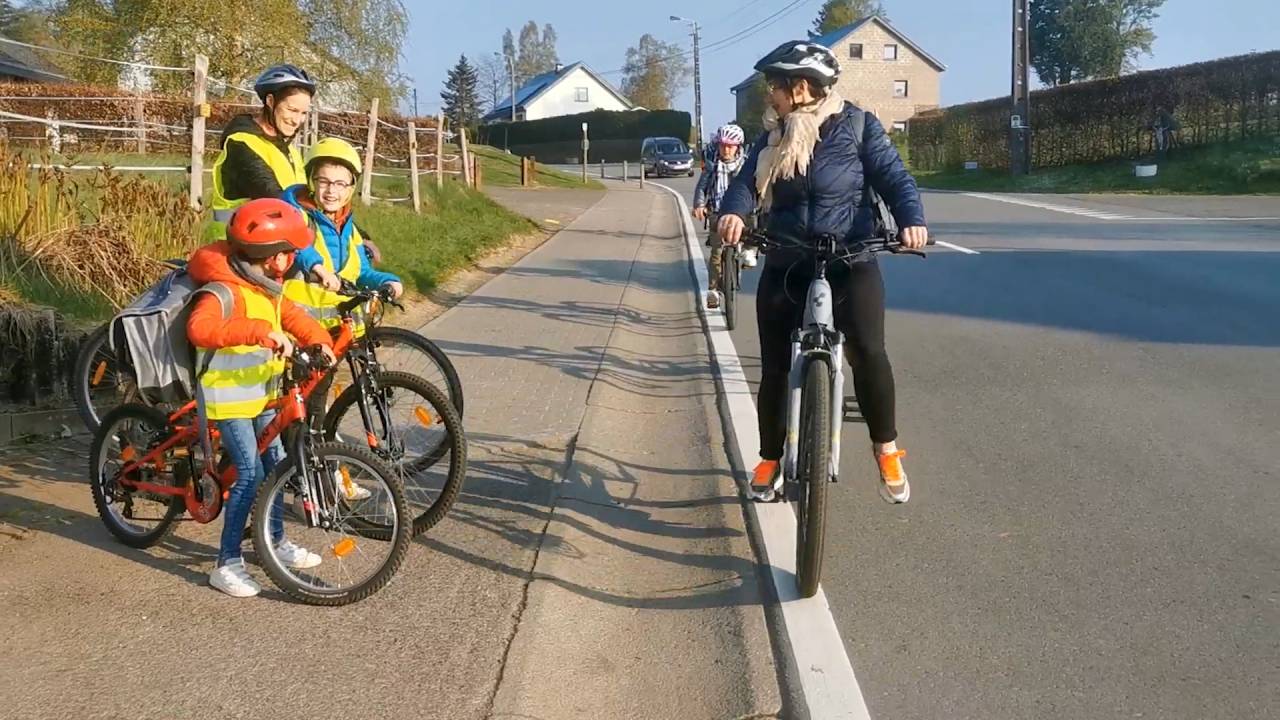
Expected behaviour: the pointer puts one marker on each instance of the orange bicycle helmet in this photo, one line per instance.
(266, 226)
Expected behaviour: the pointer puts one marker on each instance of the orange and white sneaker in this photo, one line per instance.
(765, 479)
(894, 487)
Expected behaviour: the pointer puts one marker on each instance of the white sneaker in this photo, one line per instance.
(750, 257)
(713, 299)
(233, 579)
(350, 490)
(295, 557)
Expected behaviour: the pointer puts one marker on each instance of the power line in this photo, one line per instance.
(142, 65)
(723, 42)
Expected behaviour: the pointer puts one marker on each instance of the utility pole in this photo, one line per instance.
(697, 79)
(1020, 114)
(511, 69)
(415, 102)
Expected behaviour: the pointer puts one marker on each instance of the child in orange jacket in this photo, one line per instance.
(242, 323)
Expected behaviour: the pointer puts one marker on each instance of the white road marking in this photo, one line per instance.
(826, 675)
(1105, 215)
(957, 248)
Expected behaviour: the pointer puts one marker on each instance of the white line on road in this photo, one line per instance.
(957, 248)
(826, 675)
(1104, 215)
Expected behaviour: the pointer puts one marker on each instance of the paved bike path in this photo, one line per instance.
(595, 566)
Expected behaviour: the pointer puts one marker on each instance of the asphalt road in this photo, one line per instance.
(1091, 408)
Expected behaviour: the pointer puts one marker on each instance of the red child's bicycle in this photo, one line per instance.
(147, 468)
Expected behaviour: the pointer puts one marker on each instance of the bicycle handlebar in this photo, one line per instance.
(829, 246)
(359, 297)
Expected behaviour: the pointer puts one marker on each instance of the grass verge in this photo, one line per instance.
(460, 227)
(1247, 167)
(503, 170)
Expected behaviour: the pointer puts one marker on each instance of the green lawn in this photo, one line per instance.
(503, 170)
(1249, 167)
(457, 227)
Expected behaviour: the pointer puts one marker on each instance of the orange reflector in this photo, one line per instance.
(99, 373)
(344, 547)
(337, 389)
(347, 488)
(423, 416)
(373, 439)
(127, 453)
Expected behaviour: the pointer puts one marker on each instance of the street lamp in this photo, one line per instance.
(697, 78)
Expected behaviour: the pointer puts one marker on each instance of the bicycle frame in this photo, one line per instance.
(290, 408)
(816, 337)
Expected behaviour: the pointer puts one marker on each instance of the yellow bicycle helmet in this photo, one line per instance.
(334, 150)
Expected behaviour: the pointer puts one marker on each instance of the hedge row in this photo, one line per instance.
(603, 125)
(1111, 119)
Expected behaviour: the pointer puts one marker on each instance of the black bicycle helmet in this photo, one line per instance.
(281, 77)
(801, 58)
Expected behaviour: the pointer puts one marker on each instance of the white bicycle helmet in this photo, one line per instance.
(730, 135)
(801, 58)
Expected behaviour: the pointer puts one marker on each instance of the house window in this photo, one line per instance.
(580, 94)
(855, 51)
(900, 88)
(890, 52)
(899, 126)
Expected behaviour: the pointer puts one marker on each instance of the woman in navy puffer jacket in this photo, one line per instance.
(808, 173)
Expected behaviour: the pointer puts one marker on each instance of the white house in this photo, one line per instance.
(564, 91)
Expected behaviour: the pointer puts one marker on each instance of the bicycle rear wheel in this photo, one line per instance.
(814, 465)
(137, 519)
(99, 383)
(353, 565)
(409, 352)
(729, 286)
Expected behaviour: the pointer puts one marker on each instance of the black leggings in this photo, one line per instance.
(859, 314)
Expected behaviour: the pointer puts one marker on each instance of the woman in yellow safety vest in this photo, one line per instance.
(258, 158)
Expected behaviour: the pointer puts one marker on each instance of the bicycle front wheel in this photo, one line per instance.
(352, 564)
(814, 467)
(415, 429)
(729, 286)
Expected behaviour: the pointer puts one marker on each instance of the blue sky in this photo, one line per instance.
(970, 36)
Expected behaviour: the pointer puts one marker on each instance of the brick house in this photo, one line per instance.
(881, 71)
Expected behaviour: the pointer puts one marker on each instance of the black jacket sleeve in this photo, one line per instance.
(740, 198)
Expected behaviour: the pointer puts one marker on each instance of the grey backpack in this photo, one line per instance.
(150, 336)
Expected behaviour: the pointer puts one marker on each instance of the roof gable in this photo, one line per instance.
(539, 85)
(838, 35)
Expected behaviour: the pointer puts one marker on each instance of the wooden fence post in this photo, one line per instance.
(200, 111)
(477, 171)
(413, 168)
(366, 190)
(440, 151)
(140, 117)
(466, 157)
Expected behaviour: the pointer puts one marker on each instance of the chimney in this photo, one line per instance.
(559, 67)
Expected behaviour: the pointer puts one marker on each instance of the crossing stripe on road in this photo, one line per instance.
(826, 676)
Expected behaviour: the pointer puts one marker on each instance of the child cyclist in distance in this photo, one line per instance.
(706, 200)
(241, 325)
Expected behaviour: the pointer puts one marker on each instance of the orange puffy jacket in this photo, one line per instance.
(208, 328)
